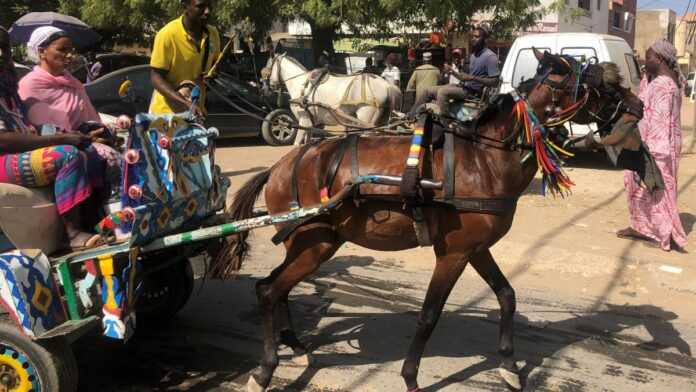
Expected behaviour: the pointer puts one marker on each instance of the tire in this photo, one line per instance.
(39, 366)
(165, 292)
(277, 134)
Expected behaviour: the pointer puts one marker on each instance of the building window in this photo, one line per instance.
(599, 5)
(616, 19)
(629, 20)
(585, 4)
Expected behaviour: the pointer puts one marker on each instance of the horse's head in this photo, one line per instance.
(271, 72)
(610, 100)
(556, 85)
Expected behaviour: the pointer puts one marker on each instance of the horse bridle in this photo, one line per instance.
(279, 58)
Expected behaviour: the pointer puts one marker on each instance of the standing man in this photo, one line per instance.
(424, 76)
(391, 73)
(483, 72)
(184, 50)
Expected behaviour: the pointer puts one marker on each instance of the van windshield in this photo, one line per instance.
(525, 66)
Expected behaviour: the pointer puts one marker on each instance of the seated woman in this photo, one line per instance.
(53, 96)
(30, 160)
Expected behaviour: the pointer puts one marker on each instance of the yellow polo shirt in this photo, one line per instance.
(177, 53)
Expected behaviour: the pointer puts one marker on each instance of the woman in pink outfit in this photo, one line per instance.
(655, 216)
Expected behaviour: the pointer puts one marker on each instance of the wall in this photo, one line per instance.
(686, 49)
(652, 25)
(594, 21)
(625, 13)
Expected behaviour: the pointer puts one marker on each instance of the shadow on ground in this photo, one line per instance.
(173, 358)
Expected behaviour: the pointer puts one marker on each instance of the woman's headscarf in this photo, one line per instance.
(668, 53)
(41, 38)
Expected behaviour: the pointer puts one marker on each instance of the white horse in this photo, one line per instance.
(358, 101)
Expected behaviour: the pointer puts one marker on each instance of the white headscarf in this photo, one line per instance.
(38, 39)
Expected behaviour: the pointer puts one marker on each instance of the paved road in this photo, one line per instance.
(594, 313)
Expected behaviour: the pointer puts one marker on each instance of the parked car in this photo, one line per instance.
(689, 88)
(521, 64)
(229, 120)
(21, 70)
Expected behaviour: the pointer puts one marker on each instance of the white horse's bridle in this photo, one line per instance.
(277, 60)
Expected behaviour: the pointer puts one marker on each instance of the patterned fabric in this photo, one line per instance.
(655, 215)
(65, 166)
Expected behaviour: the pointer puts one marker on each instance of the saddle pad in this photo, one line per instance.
(169, 176)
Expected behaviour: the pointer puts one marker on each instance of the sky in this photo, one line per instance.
(679, 6)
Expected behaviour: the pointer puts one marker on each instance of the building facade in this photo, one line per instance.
(685, 42)
(652, 25)
(586, 16)
(622, 18)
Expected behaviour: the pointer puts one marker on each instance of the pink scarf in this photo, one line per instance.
(58, 100)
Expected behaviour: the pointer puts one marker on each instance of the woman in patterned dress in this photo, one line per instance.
(30, 160)
(654, 216)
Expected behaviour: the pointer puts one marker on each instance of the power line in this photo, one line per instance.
(686, 13)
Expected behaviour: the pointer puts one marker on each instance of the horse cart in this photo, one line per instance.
(171, 197)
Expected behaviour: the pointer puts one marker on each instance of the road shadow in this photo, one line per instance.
(240, 142)
(687, 221)
(202, 349)
(383, 337)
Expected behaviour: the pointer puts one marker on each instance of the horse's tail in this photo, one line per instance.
(229, 258)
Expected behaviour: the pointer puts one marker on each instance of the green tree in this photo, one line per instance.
(13, 9)
(138, 20)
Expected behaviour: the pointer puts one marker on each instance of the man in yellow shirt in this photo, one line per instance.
(184, 50)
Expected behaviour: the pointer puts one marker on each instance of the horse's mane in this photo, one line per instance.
(295, 61)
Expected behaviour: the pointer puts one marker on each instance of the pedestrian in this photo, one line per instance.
(369, 68)
(424, 76)
(184, 50)
(391, 73)
(456, 67)
(654, 217)
(483, 72)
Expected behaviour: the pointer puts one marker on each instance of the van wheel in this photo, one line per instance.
(38, 366)
(277, 128)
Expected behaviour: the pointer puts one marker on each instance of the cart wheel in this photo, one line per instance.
(38, 366)
(165, 292)
(276, 130)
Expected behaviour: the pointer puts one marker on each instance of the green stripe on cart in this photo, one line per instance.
(68, 286)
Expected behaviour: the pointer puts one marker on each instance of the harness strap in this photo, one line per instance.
(295, 199)
(448, 165)
(494, 206)
(325, 191)
(354, 170)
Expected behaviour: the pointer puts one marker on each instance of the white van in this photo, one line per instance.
(521, 63)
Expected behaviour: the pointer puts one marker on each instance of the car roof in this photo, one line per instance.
(605, 37)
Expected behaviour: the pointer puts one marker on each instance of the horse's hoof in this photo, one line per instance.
(303, 360)
(253, 386)
(512, 379)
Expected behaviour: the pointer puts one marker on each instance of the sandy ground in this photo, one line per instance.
(595, 313)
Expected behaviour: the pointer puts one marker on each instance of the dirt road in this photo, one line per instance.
(595, 313)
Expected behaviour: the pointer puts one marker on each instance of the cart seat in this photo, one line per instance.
(29, 218)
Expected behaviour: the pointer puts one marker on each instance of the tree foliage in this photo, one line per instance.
(137, 20)
(13, 9)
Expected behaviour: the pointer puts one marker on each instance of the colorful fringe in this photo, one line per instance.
(554, 177)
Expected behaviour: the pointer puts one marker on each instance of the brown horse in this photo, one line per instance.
(491, 170)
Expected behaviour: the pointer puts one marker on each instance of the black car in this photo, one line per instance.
(243, 119)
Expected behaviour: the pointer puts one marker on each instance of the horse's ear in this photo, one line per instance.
(537, 53)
